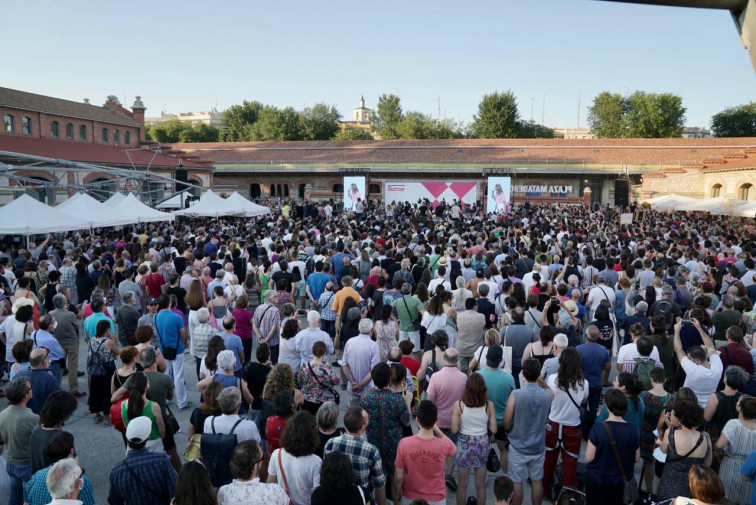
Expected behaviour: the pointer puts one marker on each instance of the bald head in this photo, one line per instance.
(395, 355)
(451, 356)
(38, 357)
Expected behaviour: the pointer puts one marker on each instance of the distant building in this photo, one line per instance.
(361, 117)
(695, 132)
(211, 117)
(573, 133)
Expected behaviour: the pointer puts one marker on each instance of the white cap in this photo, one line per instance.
(139, 429)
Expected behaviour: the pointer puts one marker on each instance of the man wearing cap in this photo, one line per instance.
(551, 365)
(500, 384)
(149, 318)
(144, 476)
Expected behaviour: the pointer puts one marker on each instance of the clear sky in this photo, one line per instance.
(191, 55)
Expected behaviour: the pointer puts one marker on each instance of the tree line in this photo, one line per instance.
(611, 115)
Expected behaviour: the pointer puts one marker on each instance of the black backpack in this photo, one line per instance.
(664, 308)
(216, 449)
(296, 273)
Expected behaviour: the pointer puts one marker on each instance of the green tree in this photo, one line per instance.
(497, 117)
(737, 121)
(605, 115)
(320, 122)
(387, 116)
(653, 115)
(200, 133)
(237, 119)
(275, 124)
(168, 132)
(533, 130)
(353, 134)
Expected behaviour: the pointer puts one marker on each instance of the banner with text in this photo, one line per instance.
(436, 192)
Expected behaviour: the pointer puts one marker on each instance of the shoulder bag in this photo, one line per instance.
(630, 494)
(283, 476)
(336, 396)
(418, 327)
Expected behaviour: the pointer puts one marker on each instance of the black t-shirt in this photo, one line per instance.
(351, 496)
(180, 264)
(325, 438)
(255, 375)
(37, 441)
(180, 294)
(286, 276)
(198, 420)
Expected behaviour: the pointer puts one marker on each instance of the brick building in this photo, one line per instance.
(110, 136)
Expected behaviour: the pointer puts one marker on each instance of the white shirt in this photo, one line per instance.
(599, 293)
(563, 411)
(433, 322)
(481, 354)
(435, 282)
(289, 354)
(747, 278)
(252, 492)
(493, 290)
(247, 430)
(627, 354)
(302, 474)
(703, 381)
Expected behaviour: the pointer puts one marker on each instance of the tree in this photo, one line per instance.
(533, 130)
(497, 117)
(200, 133)
(387, 116)
(168, 132)
(275, 124)
(605, 115)
(653, 115)
(320, 122)
(236, 120)
(737, 121)
(353, 134)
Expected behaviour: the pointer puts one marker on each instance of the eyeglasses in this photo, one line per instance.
(81, 476)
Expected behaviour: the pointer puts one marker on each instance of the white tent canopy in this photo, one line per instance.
(719, 205)
(211, 205)
(174, 202)
(669, 202)
(251, 209)
(137, 212)
(27, 216)
(115, 199)
(86, 208)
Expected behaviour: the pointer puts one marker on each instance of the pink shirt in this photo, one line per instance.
(243, 323)
(446, 387)
(423, 463)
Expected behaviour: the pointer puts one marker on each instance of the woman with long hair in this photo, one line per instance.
(706, 488)
(386, 332)
(129, 356)
(337, 482)
(296, 459)
(422, 294)
(542, 349)
(209, 365)
(434, 318)
(737, 441)
(193, 486)
(473, 418)
(628, 384)
(138, 405)
(570, 391)
(145, 336)
(100, 368)
(433, 360)
(209, 408)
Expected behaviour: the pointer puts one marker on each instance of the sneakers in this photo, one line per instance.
(98, 418)
(451, 483)
(106, 423)
(187, 406)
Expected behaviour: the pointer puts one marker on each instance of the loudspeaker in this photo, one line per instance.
(622, 192)
(182, 176)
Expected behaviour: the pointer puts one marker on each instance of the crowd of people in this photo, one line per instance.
(396, 354)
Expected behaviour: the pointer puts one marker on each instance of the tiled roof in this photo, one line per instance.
(92, 153)
(677, 151)
(47, 104)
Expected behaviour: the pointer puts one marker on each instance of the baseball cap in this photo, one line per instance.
(494, 356)
(152, 301)
(139, 429)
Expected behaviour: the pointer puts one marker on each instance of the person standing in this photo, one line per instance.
(17, 422)
(361, 354)
(172, 337)
(594, 359)
(42, 381)
(526, 414)
(307, 337)
(67, 335)
(265, 323)
(500, 385)
(471, 326)
(518, 336)
(410, 310)
(127, 318)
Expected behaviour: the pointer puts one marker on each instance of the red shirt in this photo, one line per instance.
(423, 463)
(154, 283)
(273, 429)
(736, 355)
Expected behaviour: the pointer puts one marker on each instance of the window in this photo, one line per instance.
(10, 124)
(338, 188)
(127, 137)
(374, 189)
(716, 190)
(26, 125)
(286, 190)
(83, 132)
(272, 190)
(116, 137)
(105, 135)
(254, 191)
(746, 192)
(69, 130)
(55, 129)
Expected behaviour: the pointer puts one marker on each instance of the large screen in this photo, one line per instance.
(354, 189)
(463, 192)
(499, 192)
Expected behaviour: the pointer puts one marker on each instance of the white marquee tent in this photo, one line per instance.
(251, 209)
(86, 208)
(28, 216)
(669, 202)
(115, 199)
(718, 205)
(137, 212)
(211, 205)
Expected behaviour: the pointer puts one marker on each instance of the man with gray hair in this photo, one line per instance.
(361, 354)
(729, 316)
(44, 339)
(229, 401)
(67, 335)
(200, 336)
(265, 323)
(127, 285)
(641, 308)
(65, 481)
(551, 365)
(595, 359)
(43, 382)
(127, 318)
(404, 273)
(16, 425)
(305, 338)
(410, 311)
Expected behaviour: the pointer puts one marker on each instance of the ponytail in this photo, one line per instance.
(137, 388)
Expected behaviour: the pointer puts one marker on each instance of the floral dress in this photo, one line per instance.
(388, 413)
(314, 391)
(385, 337)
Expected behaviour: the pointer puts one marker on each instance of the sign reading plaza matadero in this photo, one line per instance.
(542, 188)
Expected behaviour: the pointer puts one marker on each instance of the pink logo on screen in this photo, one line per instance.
(458, 190)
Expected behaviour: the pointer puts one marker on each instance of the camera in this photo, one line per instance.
(555, 301)
(687, 321)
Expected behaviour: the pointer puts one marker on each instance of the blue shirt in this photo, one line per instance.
(36, 492)
(44, 339)
(90, 323)
(168, 326)
(604, 468)
(594, 357)
(749, 470)
(233, 343)
(500, 384)
(316, 282)
(211, 286)
(621, 296)
(156, 483)
(337, 262)
(43, 385)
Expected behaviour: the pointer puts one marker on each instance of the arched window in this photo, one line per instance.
(254, 191)
(195, 191)
(301, 190)
(26, 125)
(83, 132)
(40, 189)
(279, 191)
(374, 189)
(272, 190)
(746, 192)
(716, 190)
(69, 131)
(338, 188)
(286, 190)
(55, 129)
(116, 137)
(127, 137)
(10, 123)
(105, 135)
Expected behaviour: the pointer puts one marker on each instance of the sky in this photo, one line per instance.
(194, 55)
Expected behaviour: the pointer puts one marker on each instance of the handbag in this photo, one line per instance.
(283, 476)
(94, 365)
(507, 352)
(493, 464)
(630, 494)
(171, 423)
(336, 396)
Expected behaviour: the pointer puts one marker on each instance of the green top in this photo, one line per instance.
(16, 426)
(406, 318)
(147, 412)
(160, 387)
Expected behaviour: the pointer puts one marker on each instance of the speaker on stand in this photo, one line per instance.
(622, 192)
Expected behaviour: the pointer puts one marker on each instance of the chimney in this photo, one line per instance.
(138, 113)
(86, 101)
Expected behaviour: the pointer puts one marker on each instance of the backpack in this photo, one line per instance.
(643, 366)
(216, 449)
(664, 308)
(296, 273)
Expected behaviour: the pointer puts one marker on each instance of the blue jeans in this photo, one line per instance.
(328, 327)
(594, 395)
(19, 475)
(55, 370)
